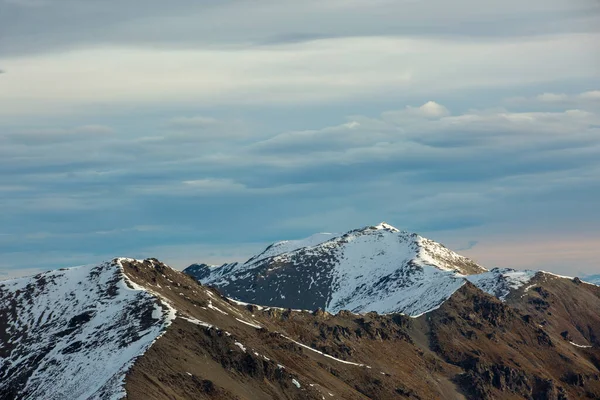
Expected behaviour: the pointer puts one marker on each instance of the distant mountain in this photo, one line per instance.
(595, 279)
(140, 330)
(376, 268)
(501, 282)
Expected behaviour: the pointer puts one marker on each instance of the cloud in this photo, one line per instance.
(591, 95)
(316, 72)
(201, 129)
(452, 175)
(313, 115)
(585, 100)
(194, 122)
(423, 144)
(52, 136)
(56, 25)
(431, 109)
(552, 97)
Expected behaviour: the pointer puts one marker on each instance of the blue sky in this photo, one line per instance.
(201, 131)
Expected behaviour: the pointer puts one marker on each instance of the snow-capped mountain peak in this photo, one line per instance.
(374, 268)
(386, 226)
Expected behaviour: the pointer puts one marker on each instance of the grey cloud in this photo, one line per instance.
(538, 142)
(499, 170)
(295, 37)
(41, 26)
(429, 152)
(33, 137)
(201, 129)
(589, 100)
(72, 195)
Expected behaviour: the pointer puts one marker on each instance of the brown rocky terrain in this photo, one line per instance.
(564, 306)
(474, 346)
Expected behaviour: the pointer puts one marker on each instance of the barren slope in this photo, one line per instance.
(474, 346)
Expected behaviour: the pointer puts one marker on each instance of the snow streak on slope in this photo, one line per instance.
(83, 322)
(500, 282)
(377, 268)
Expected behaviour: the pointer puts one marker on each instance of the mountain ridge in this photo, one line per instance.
(106, 323)
(473, 346)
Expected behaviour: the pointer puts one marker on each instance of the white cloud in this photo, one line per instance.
(431, 109)
(318, 71)
(588, 99)
(552, 97)
(409, 135)
(591, 95)
(410, 114)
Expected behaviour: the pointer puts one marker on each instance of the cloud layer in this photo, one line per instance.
(420, 166)
(238, 123)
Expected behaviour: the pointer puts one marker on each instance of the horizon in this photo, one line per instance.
(261, 247)
(477, 126)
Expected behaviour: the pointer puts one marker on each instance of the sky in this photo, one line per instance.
(201, 131)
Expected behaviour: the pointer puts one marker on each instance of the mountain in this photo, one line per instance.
(595, 279)
(376, 268)
(140, 329)
(501, 282)
(86, 322)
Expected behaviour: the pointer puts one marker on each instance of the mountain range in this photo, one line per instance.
(374, 313)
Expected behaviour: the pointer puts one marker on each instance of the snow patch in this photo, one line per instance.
(249, 323)
(323, 354)
(241, 346)
(210, 305)
(197, 322)
(580, 345)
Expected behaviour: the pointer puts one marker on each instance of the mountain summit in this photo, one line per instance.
(375, 268)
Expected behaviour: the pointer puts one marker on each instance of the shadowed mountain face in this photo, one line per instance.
(169, 337)
(377, 268)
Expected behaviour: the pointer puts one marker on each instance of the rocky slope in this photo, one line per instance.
(88, 322)
(376, 268)
(172, 338)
